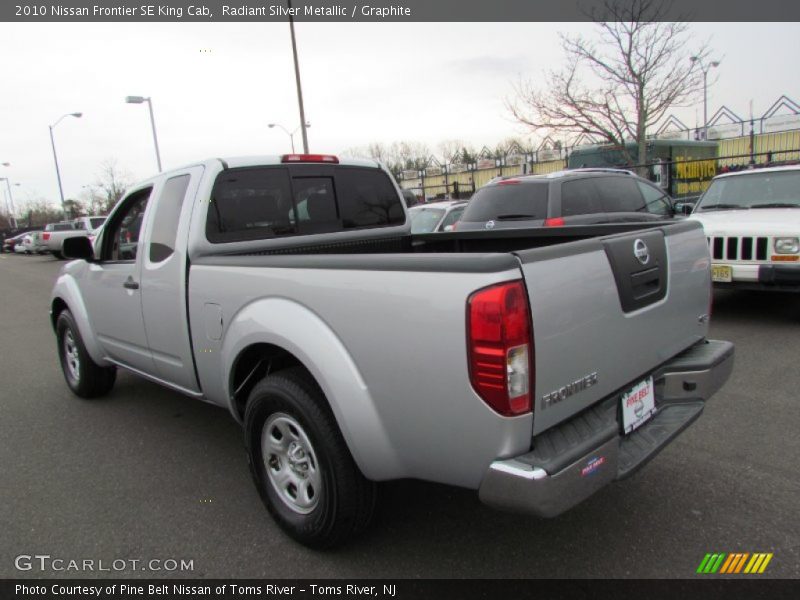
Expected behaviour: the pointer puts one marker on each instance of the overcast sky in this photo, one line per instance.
(216, 86)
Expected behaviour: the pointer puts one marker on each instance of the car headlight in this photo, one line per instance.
(787, 245)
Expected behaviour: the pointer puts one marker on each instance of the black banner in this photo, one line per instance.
(379, 10)
(754, 588)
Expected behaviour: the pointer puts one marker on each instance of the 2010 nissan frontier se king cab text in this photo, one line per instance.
(535, 366)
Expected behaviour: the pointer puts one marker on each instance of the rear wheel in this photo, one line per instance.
(84, 377)
(58, 255)
(301, 464)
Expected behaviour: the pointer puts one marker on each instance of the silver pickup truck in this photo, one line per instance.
(535, 366)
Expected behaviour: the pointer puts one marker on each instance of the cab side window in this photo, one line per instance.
(121, 238)
(619, 194)
(580, 197)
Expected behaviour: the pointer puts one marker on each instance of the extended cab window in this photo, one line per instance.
(165, 223)
(265, 202)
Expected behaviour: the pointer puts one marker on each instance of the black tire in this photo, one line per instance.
(84, 377)
(57, 255)
(344, 501)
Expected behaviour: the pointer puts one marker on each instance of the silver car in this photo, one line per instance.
(436, 216)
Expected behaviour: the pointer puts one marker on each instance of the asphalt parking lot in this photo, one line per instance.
(148, 474)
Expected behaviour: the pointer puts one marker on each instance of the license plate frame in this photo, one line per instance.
(721, 273)
(638, 405)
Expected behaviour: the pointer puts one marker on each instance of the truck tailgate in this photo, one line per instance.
(607, 311)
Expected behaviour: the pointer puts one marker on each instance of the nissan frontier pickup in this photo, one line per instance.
(534, 365)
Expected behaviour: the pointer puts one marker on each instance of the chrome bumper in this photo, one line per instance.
(599, 453)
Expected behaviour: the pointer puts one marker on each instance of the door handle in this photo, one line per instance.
(130, 284)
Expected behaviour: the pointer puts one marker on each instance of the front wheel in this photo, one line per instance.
(57, 255)
(301, 464)
(84, 377)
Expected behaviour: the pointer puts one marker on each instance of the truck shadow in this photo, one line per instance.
(778, 308)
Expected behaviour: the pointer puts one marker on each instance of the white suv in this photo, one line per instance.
(752, 222)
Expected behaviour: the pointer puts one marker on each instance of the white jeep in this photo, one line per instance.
(752, 223)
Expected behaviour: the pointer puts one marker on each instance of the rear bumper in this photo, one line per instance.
(572, 461)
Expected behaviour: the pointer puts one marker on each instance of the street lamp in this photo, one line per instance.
(77, 115)
(705, 69)
(12, 211)
(303, 122)
(139, 100)
(289, 133)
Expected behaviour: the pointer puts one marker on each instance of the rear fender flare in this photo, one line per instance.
(301, 332)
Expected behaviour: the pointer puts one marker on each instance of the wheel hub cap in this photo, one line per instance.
(71, 357)
(291, 463)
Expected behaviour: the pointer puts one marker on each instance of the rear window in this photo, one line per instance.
(509, 201)
(266, 202)
(97, 222)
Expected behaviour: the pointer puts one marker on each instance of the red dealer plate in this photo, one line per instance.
(638, 405)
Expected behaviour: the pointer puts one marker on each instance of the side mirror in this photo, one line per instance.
(78, 247)
(683, 208)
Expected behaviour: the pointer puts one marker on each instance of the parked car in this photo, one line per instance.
(436, 216)
(20, 246)
(752, 222)
(10, 243)
(575, 197)
(55, 233)
(33, 243)
(353, 352)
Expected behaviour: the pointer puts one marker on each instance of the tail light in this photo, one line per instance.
(312, 158)
(554, 222)
(500, 347)
(45, 236)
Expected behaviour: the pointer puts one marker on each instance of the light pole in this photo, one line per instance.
(289, 133)
(705, 69)
(303, 125)
(139, 100)
(12, 211)
(77, 115)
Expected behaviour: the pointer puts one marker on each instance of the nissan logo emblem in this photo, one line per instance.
(641, 252)
(489, 224)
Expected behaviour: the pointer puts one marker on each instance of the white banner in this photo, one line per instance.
(548, 154)
(780, 123)
(725, 130)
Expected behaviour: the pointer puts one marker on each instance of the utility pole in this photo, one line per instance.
(297, 78)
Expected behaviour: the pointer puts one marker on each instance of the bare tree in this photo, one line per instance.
(450, 150)
(73, 209)
(619, 86)
(411, 155)
(38, 212)
(110, 185)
